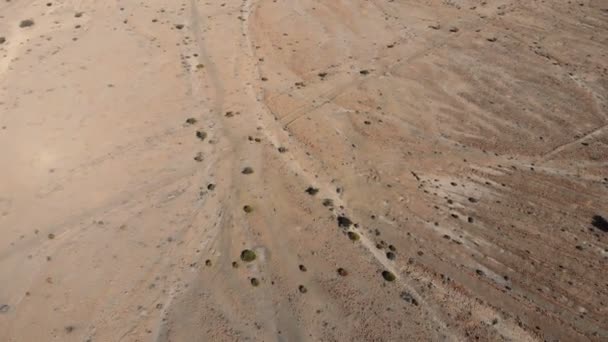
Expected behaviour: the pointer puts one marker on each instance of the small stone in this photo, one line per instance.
(342, 272)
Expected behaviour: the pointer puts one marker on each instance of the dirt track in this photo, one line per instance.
(416, 170)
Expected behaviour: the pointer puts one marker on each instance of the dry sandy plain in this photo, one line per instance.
(421, 170)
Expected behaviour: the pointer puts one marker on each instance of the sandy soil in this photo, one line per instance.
(398, 170)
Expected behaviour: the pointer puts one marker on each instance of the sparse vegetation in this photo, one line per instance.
(353, 236)
(600, 223)
(26, 23)
(312, 191)
(255, 282)
(388, 276)
(248, 255)
(201, 135)
(344, 222)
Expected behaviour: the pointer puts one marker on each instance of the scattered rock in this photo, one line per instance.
(210, 186)
(302, 289)
(247, 209)
(208, 262)
(322, 74)
(51, 236)
(4, 308)
(282, 149)
(390, 255)
(364, 72)
(454, 29)
(247, 171)
(491, 39)
(2, 40)
(302, 268)
(327, 202)
(199, 157)
(342, 272)
(191, 121)
(179, 26)
(353, 236)
(235, 264)
(69, 329)
(248, 255)
(435, 26)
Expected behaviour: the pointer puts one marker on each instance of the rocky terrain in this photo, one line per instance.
(303, 170)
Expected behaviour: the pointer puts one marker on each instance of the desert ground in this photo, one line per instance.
(303, 170)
